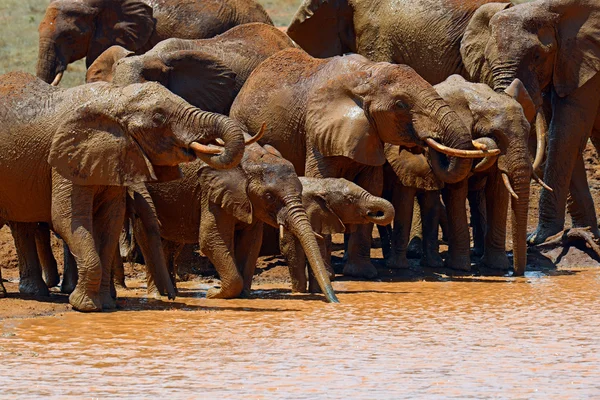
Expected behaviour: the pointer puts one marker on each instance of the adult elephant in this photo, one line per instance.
(70, 154)
(331, 117)
(553, 47)
(208, 73)
(72, 30)
(490, 115)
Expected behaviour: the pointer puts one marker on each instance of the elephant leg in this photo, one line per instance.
(443, 218)
(429, 202)
(478, 219)
(404, 207)
(70, 274)
(296, 260)
(415, 244)
(217, 243)
(170, 251)
(359, 244)
(496, 201)
(247, 247)
(580, 202)
(30, 272)
(118, 271)
(455, 198)
(47, 260)
(2, 288)
(573, 118)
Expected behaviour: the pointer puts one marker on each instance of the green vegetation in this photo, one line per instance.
(19, 20)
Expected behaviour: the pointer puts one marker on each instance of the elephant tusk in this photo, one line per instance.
(204, 149)
(253, 139)
(57, 78)
(281, 231)
(460, 153)
(508, 186)
(540, 181)
(541, 128)
(479, 146)
(318, 236)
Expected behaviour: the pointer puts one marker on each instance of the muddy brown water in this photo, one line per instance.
(531, 337)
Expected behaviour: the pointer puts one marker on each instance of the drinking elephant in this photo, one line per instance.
(224, 211)
(490, 115)
(69, 155)
(552, 46)
(72, 30)
(331, 117)
(331, 204)
(208, 73)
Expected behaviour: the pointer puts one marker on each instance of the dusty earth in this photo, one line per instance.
(272, 270)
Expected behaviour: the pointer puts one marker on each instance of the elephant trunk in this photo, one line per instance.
(454, 134)
(213, 126)
(379, 211)
(297, 222)
(49, 66)
(519, 207)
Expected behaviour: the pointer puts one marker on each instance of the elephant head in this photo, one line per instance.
(333, 202)
(276, 196)
(505, 120)
(354, 113)
(551, 43)
(194, 75)
(71, 30)
(138, 133)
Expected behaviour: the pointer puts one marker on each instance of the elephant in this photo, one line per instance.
(331, 204)
(71, 30)
(331, 117)
(208, 73)
(490, 115)
(69, 155)
(552, 47)
(225, 211)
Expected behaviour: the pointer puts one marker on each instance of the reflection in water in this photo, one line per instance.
(525, 337)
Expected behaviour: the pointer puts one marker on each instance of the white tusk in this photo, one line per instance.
(281, 231)
(540, 181)
(460, 153)
(508, 186)
(57, 78)
(318, 236)
(253, 139)
(204, 149)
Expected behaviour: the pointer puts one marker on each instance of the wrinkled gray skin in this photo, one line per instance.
(208, 73)
(224, 211)
(78, 150)
(72, 30)
(330, 204)
(331, 118)
(491, 115)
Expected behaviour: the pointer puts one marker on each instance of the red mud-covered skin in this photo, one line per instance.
(331, 118)
(73, 30)
(68, 155)
(208, 73)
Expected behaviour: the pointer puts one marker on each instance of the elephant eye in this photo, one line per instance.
(402, 105)
(159, 119)
(269, 197)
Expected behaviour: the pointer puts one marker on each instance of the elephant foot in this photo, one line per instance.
(497, 261)
(299, 287)
(108, 302)
(2, 290)
(459, 263)
(246, 294)
(432, 259)
(52, 279)
(360, 269)
(120, 284)
(542, 233)
(415, 248)
(34, 287)
(223, 293)
(81, 301)
(397, 261)
(68, 285)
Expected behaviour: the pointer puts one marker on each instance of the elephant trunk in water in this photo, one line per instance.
(379, 211)
(294, 217)
(49, 66)
(519, 206)
(213, 126)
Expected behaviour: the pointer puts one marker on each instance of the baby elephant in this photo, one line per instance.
(331, 204)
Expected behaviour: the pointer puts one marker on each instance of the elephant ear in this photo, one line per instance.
(320, 215)
(578, 36)
(337, 124)
(476, 37)
(128, 23)
(201, 79)
(91, 148)
(101, 69)
(227, 188)
(323, 28)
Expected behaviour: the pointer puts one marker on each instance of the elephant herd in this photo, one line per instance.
(200, 123)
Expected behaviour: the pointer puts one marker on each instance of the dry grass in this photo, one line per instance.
(19, 20)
